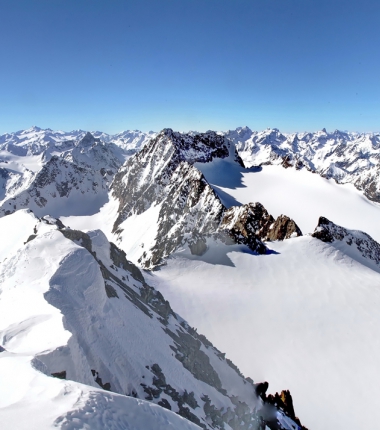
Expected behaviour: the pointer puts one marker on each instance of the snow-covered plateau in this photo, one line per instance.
(113, 247)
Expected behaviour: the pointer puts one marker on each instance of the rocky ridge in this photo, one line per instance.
(163, 175)
(36, 141)
(354, 241)
(171, 365)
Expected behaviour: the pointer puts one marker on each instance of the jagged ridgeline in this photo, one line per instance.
(124, 337)
(187, 209)
(70, 173)
(343, 156)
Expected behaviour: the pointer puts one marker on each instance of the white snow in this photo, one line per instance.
(15, 231)
(305, 319)
(55, 315)
(33, 400)
(31, 327)
(299, 194)
(139, 232)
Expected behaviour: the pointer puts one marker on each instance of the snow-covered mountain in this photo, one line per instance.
(345, 157)
(299, 311)
(161, 190)
(35, 141)
(72, 307)
(60, 173)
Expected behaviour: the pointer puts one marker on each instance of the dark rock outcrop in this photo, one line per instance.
(251, 223)
(247, 224)
(368, 248)
(283, 228)
(59, 375)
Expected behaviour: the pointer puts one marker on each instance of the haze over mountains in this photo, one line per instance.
(252, 237)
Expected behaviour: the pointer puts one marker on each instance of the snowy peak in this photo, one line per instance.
(59, 188)
(162, 180)
(162, 186)
(36, 141)
(88, 140)
(356, 244)
(197, 147)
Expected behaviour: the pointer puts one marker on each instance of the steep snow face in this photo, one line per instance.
(51, 403)
(345, 157)
(307, 317)
(72, 306)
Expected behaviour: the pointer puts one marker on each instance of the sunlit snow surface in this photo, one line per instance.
(305, 318)
(51, 293)
(298, 194)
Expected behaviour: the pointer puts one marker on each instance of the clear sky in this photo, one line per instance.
(112, 65)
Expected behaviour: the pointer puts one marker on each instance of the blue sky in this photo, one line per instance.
(190, 64)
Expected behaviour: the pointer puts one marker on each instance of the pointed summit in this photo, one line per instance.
(88, 140)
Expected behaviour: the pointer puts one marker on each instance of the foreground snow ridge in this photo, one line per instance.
(84, 322)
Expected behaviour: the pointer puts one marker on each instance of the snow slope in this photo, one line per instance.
(346, 157)
(297, 193)
(307, 317)
(32, 400)
(72, 306)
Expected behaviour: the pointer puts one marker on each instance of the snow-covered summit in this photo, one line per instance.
(56, 172)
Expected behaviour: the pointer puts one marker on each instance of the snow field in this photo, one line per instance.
(299, 194)
(305, 319)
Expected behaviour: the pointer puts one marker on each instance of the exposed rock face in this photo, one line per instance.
(247, 224)
(283, 228)
(358, 241)
(251, 223)
(163, 175)
(284, 401)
